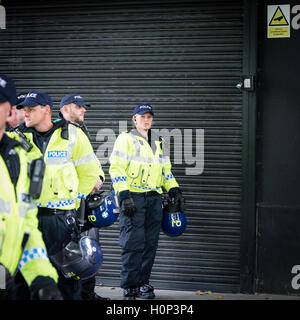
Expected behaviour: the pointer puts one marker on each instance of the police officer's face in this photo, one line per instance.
(143, 121)
(16, 117)
(34, 115)
(76, 113)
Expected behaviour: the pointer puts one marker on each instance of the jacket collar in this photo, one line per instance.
(6, 144)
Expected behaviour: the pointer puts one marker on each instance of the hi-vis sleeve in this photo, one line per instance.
(169, 180)
(119, 161)
(86, 164)
(35, 261)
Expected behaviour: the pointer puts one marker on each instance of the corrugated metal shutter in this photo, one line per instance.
(182, 57)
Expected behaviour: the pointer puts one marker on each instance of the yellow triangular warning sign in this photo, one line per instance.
(278, 18)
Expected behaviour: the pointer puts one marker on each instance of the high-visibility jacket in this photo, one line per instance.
(137, 167)
(72, 168)
(18, 223)
(85, 130)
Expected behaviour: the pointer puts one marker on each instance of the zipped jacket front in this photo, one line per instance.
(138, 167)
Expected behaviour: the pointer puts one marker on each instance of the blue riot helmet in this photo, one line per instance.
(79, 259)
(102, 209)
(174, 221)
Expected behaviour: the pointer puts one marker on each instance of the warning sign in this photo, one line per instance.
(279, 21)
(278, 18)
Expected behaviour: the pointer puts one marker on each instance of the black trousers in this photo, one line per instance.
(139, 239)
(56, 234)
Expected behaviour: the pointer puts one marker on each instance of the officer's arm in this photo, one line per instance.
(100, 180)
(169, 180)
(34, 261)
(119, 161)
(101, 173)
(86, 164)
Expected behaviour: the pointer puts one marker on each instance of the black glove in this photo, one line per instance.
(177, 199)
(128, 206)
(50, 292)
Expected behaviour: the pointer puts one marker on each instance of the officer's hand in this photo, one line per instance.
(177, 198)
(98, 185)
(50, 292)
(128, 207)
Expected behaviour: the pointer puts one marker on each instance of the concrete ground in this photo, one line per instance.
(116, 293)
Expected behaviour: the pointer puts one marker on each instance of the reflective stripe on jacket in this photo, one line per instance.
(137, 167)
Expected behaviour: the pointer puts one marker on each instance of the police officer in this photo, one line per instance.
(139, 169)
(71, 173)
(21, 243)
(73, 108)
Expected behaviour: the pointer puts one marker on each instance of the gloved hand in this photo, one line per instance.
(128, 207)
(177, 199)
(50, 292)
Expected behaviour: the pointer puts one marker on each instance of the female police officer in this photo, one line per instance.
(139, 169)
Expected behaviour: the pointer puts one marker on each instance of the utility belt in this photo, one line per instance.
(42, 211)
(70, 217)
(145, 194)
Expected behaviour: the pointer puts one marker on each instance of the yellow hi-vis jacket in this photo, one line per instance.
(18, 222)
(84, 129)
(136, 167)
(72, 168)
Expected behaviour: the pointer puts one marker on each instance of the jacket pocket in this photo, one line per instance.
(64, 183)
(134, 169)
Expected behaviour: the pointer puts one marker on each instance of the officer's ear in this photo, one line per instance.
(134, 119)
(66, 109)
(48, 108)
(63, 109)
(10, 111)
